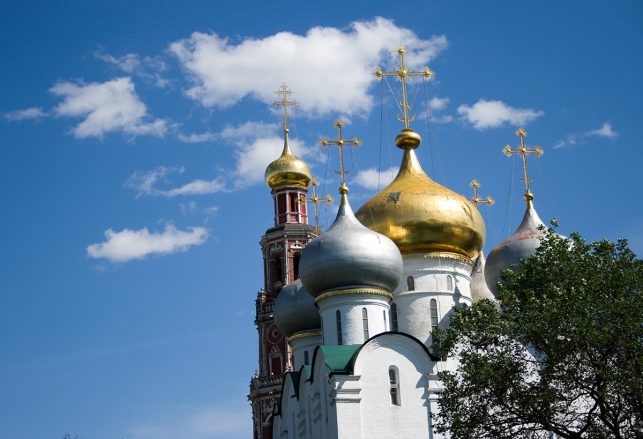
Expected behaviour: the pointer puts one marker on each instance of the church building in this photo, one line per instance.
(346, 316)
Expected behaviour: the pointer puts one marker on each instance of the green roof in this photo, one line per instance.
(338, 358)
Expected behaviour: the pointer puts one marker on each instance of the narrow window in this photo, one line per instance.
(306, 358)
(295, 265)
(338, 320)
(410, 283)
(394, 317)
(394, 381)
(450, 283)
(293, 203)
(384, 315)
(365, 323)
(434, 314)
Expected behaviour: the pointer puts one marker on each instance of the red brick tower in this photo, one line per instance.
(281, 245)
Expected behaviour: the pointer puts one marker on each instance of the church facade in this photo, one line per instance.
(346, 317)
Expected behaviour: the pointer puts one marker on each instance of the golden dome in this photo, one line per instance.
(420, 215)
(288, 169)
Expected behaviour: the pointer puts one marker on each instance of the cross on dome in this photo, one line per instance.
(340, 142)
(283, 92)
(475, 184)
(524, 152)
(402, 73)
(315, 200)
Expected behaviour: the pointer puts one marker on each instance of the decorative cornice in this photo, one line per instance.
(349, 291)
(304, 334)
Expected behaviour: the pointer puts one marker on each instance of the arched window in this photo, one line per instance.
(393, 317)
(434, 314)
(338, 321)
(410, 283)
(394, 382)
(449, 282)
(365, 323)
(306, 358)
(384, 315)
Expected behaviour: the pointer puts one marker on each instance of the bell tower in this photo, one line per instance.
(289, 178)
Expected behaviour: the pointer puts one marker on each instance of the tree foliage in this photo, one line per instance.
(561, 355)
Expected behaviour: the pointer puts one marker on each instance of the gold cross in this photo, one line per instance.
(340, 142)
(475, 184)
(283, 92)
(403, 74)
(524, 151)
(315, 199)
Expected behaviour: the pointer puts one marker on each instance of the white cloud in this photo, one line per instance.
(329, 69)
(372, 179)
(148, 68)
(110, 106)
(146, 183)
(26, 114)
(257, 146)
(197, 137)
(491, 114)
(605, 130)
(193, 208)
(128, 245)
(220, 422)
(438, 104)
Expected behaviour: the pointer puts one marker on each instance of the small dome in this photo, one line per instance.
(522, 244)
(479, 288)
(350, 255)
(288, 169)
(420, 215)
(295, 311)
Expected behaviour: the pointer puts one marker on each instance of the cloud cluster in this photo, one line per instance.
(146, 183)
(128, 245)
(606, 131)
(148, 68)
(371, 178)
(328, 68)
(106, 107)
(26, 114)
(492, 114)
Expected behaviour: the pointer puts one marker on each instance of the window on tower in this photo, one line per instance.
(449, 282)
(394, 317)
(434, 314)
(338, 321)
(295, 265)
(394, 382)
(306, 362)
(410, 283)
(365, 323)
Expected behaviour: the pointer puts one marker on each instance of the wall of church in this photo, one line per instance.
(359, 316)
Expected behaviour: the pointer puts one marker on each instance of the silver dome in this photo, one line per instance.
(349, 255)
(479, 288)
(522, 244)
(295, 311)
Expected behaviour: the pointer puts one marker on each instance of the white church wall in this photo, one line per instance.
(303, 346)
(437, 283)
(350, 308)
(380, 417)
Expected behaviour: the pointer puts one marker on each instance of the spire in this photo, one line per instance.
(407, 139)
(524, 151)
(340, 142)
(475, 184)
(315, 200)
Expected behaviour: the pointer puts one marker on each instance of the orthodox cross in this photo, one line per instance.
(340, 143)
(283, 92)
(524, 151)
(402, 73)
(315, 200)
(475, 184)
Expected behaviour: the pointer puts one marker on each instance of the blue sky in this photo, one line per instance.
(134, 138)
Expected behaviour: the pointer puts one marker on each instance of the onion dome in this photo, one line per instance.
(510, 252)
(295, 311)
(288, 169)
(420, 215)
(350, 256)
(479, 288)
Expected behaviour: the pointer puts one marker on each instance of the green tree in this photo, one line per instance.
(561, 355)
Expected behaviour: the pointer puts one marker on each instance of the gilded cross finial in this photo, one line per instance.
(475, 184)
(283, 92)
(524, 151)
(403, 73)
(340, 142)
(315, 200)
